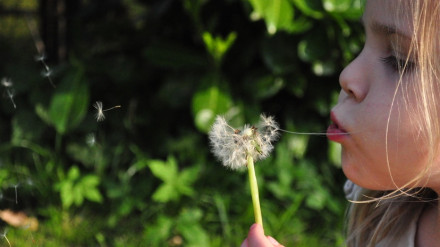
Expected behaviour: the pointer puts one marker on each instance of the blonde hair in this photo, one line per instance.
(386, 214)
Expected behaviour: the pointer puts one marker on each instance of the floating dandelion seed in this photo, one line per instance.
(40, 57)
(239, 148)
(11, 97)
(7, 83)
(39, 44)
(91, 139)
(4, 236)
(47, 72)
(100, 111)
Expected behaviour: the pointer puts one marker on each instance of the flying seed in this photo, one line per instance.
(100, 111)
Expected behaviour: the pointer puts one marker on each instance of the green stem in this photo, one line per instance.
(254, 190)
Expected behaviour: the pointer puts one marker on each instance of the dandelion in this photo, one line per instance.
(239, 148)
(233, 146)
(100, 111)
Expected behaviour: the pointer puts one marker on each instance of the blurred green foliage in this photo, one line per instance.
(145, 176)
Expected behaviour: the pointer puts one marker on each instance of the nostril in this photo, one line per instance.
(351, 93)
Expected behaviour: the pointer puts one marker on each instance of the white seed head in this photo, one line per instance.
(233, 146)
(268, 128)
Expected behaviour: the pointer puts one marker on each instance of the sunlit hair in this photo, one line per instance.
(377, 215)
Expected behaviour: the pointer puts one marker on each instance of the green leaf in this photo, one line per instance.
(310, 8)
(42, 113)
(69, 103)
(160, 231)
(78, 195)
(90, 181)
(316, 200)
(93, 195)
(67, 197)
(73, 174)
(74, 188)
(175, 183)
(207, 104)
(165, 193)
(298, 145)
(189, 175)
(186, 179)
(278, 14)
(166, 171)
(217, 46)
(313, 47)
(25, 126)
(188, 225)
(350, 9)
(334, 153)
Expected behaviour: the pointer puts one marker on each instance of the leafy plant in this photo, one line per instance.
(175, 183)
(74, 189)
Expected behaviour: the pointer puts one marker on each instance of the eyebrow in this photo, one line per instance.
(385, 29)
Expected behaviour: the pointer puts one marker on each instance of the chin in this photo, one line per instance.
(356, 172)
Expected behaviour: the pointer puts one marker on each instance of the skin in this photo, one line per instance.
(256, 238)
(384, 148)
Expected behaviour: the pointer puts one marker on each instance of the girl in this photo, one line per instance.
(388, 123)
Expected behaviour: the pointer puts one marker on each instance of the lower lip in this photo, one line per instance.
(335, 134)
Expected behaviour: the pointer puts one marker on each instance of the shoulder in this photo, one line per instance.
(427, 233)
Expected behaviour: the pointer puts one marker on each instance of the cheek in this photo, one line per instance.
(384, 157)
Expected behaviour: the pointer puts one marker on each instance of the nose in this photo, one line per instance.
(354, 78)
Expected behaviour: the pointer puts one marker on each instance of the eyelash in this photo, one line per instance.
(398, 64)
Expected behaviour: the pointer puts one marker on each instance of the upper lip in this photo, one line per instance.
(335, 121)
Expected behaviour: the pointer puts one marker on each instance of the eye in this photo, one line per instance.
(398, 64)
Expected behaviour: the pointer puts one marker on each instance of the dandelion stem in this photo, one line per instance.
(111, 108)
(254, 190)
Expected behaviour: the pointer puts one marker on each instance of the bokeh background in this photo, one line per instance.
(145, 175)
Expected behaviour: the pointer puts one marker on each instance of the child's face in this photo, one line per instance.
(371, 103)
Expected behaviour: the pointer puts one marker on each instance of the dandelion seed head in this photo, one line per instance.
(233, 146)
(268, 128)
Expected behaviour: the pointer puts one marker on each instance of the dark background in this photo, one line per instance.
(145, 175)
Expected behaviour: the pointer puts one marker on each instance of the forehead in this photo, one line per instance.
(391, 13)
